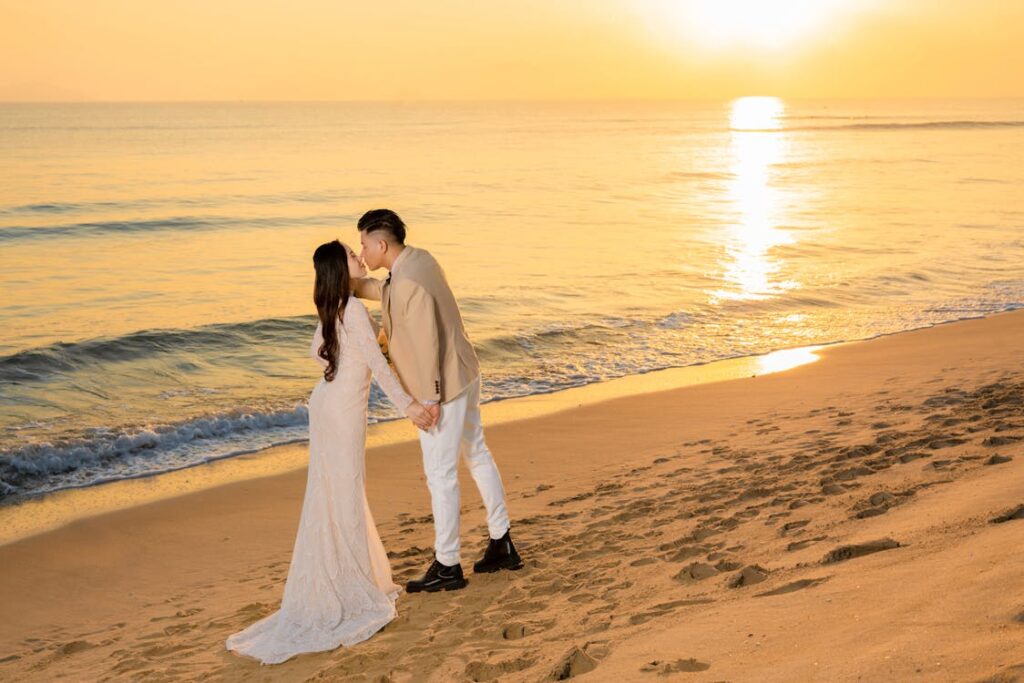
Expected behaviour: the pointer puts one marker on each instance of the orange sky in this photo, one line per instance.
(529, 49)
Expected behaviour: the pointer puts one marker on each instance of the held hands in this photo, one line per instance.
(435, 413)
(423, 417)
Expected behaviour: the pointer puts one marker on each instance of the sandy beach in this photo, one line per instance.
(856, 518)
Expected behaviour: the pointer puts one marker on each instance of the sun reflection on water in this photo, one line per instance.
(755, 148)
(785, 359)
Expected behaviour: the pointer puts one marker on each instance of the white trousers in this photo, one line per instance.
(460, 431)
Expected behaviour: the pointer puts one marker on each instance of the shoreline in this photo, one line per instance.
(40, 513)
(680, 530)
(30, 514)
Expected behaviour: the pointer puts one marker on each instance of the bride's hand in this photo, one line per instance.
(419, 415)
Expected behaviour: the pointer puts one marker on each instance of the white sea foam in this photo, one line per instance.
(45, 467)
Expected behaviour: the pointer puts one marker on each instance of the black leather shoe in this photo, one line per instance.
(439, 577)
(500, 554)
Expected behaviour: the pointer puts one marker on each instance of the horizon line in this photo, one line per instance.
(511, 100)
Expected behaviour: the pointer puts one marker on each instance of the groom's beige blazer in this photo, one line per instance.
(427, 341)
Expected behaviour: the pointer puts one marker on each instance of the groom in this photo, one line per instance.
(436, 362)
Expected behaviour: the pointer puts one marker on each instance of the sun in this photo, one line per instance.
(756, 113)
(765, 24)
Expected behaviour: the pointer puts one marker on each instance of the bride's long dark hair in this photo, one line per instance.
(330, 294)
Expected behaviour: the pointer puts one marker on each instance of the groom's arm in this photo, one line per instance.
(368, 288)
(423, 369)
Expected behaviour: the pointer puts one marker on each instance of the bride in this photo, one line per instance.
(339, 589)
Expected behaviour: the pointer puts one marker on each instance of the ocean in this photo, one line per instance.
(156, 259)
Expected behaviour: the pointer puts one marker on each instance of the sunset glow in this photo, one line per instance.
(758, 23)
(110, 50)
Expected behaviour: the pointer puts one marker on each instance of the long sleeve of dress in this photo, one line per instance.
(363, 338)
(368, 288)
(314, 348)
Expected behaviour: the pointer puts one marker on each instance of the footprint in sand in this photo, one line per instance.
(642, 562)
(573, 663)
(800, 545)
(1000, 440)
(164, 650)
(73, 647)
(253, 611)
(666, 608)
(414, 521)
(882, 498)
(728, 565)
(748, 576)
(525, 606)
(698, 571)
(793, 586)
(180, 614)
(686, 552)
(852, 473)
(514, 631)
(488, 671)
(795, 526)
(171, 631)
(848, 552)
(690, 665)
(879, 503)
(1013, 513)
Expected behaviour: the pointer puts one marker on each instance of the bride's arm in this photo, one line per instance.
(318, 341)
(361, 334)
(367, 288)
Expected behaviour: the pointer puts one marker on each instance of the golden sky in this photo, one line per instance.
(528, 49)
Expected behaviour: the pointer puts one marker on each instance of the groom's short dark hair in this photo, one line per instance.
(383, 219)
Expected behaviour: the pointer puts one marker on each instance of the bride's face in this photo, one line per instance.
(356, 268)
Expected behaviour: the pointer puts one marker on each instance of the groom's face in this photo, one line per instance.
(374, 247)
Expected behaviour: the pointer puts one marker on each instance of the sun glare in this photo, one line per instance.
(756, 113)
(768, 24)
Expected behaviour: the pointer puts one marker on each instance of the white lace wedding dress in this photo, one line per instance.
(339, 589)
